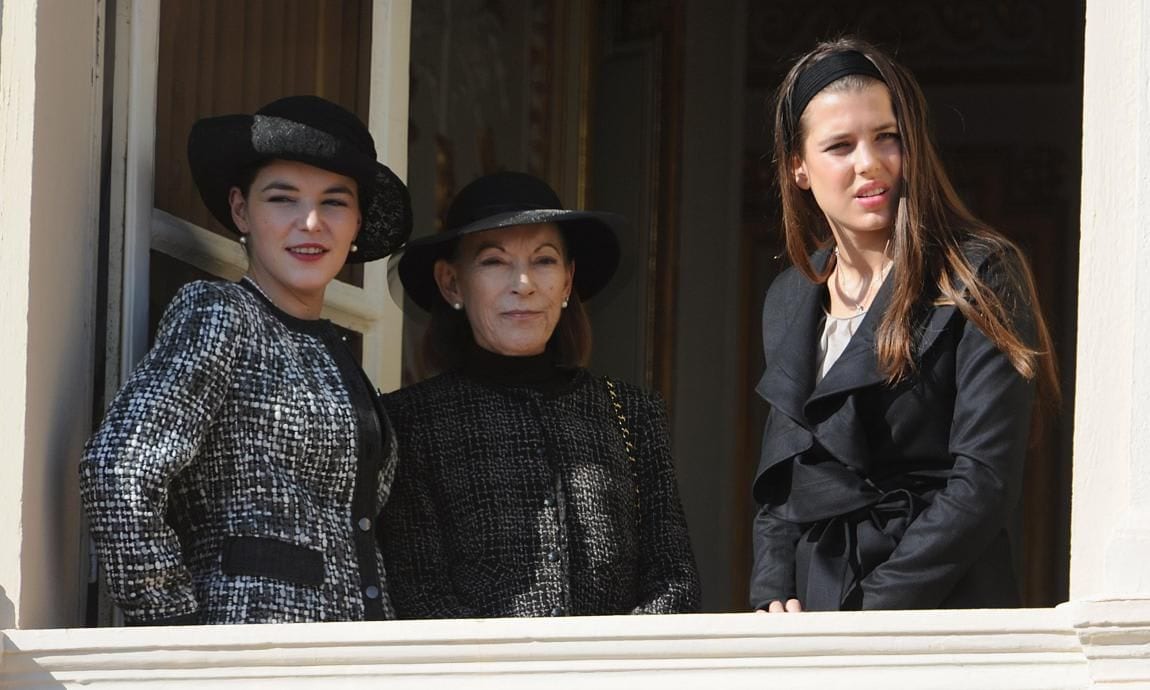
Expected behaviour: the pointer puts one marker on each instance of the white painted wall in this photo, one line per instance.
(1110, 531)
(50, 60)
(390, 60)
(17, 97)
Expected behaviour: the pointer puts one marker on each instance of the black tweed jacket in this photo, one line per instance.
(237, 475)
(519, 501)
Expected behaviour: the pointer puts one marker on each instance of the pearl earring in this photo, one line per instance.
(354, 247)
(244, 240)
(564, 304)
(457, 306)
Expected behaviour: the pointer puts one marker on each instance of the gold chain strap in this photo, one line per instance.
(626, 432)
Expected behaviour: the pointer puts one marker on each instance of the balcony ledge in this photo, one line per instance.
(1077, 645)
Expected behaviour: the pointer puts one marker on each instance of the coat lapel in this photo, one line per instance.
(790, 373)
(829, 410)
(935, 326)
(857, 366)
(832, 407)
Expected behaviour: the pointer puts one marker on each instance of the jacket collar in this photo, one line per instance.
(829, 409)
(789, 377)
(857, 367)
(788, 383)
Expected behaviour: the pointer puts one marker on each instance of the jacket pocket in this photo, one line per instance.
(272, 558)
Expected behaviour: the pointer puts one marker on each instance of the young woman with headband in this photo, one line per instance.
(904, 350)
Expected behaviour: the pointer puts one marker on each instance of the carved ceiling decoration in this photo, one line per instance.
(942, 41)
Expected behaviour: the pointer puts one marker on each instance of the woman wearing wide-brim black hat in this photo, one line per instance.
(239, 473)
(526, 485)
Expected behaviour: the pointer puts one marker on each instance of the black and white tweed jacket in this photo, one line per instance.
(515, 501)
(238, 474)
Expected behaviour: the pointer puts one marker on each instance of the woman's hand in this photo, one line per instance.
(776, 606)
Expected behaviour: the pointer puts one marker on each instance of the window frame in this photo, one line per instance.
(369, 310)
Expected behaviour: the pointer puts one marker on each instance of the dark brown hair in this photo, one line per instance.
(933, 231)
(448, 335)
(247, 175)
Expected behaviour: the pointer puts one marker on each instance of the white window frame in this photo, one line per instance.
(369, 310)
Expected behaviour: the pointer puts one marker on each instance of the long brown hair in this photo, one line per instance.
(933, 231)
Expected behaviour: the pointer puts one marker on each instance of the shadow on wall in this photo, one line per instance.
(7, 611)
(20, 670)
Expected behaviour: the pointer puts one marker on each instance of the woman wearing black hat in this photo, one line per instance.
(526, 485)
(903, 353)
(238, 474)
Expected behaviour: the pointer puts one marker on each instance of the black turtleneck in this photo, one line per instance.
(541, 372)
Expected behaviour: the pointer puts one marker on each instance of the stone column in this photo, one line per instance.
(1110, 530)
(50, 110)
(390, 91)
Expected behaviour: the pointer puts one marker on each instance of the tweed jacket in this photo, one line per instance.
(878, 496)
(514, 501)
(238, 474)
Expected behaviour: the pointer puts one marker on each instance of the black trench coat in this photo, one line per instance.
(890, 497)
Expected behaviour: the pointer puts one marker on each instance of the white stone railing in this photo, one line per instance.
(1077, 645)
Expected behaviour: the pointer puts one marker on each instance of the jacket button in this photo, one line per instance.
(364, 524)
(557, 611)
(549, 502)
(371, 592)
(553, 556)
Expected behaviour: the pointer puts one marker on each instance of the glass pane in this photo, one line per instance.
(221, 56)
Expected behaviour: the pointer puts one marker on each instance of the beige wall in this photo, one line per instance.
(16, 61)
(1110, 532)
(49, 183)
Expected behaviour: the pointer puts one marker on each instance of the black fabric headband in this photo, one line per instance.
(823, 73)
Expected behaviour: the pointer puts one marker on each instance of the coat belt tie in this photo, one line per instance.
(844, 549)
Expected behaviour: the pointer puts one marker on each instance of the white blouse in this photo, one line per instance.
(837, 333)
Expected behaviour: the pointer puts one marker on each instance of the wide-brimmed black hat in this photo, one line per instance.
(504, 199)
(311, 130)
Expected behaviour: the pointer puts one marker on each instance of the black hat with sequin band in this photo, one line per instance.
(311, 130)
(502, 200)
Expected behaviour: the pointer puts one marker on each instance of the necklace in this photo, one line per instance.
(860, 303)
(253, 283)
(306, 316)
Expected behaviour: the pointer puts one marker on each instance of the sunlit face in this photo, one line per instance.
(300, 222)
(851, 158)
(512, 283)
